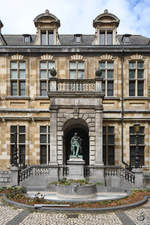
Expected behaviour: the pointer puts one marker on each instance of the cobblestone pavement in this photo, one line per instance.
(7, 213)
(13, 216)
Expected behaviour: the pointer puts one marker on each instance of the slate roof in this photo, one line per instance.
(69, 39)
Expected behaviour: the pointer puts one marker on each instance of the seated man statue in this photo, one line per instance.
(75, 144)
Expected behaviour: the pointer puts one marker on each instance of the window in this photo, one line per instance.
(18, 78)
(45, 74)
(18, 134)
(47, 37)
(107, 69)
(136, 78)
(140, 143)
(27, 38)
(108, 145)
(76, 70)
(106, 38)
(50, 38)
(44, 144)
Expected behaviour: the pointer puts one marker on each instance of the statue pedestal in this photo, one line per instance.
(75, 168)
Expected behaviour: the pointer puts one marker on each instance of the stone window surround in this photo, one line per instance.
(136, 60)
(142, 145)
(77, 69)
(43, 58)
(19, 144)
(18, 80)
(18, 58)
(46, 31)
(108, 59)
(46, 143)
(105, 32)
(47, 73)
(77, 58)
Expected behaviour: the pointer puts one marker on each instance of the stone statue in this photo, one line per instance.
(76, 145)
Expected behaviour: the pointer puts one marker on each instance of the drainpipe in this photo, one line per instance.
(122, 109)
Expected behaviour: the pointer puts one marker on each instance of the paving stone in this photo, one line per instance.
(136, 216)
(140, 216)
(124, 218)
(77, 219)
(7, 213)
(18, 218)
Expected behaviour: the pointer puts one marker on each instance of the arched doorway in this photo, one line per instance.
(70, 127)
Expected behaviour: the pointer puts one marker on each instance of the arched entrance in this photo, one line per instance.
(70, 127)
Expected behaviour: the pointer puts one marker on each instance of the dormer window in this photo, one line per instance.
(105, 26)
(47, 29)
(27, 38)
(43, 38)
(106, 38)
(78, 38)
(50, 37)
(47, 37)
(126, 38)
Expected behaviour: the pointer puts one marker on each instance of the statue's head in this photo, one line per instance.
(75, 133)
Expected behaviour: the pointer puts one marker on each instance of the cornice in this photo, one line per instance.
(73, 50)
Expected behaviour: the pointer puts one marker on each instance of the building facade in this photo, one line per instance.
(101, 89)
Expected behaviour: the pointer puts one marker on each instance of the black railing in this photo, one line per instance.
(23, 174)
(62, 171)
(44, 170)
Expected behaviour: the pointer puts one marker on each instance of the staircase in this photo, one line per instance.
(38, 177)
(119, 178)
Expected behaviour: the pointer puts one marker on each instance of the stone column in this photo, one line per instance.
(139, 180)
(14, 176)
(99, 138)
(98, 170)
(98, 84)
(53, 84)
(53, 137)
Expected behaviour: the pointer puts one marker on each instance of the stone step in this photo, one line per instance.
(36, 188)
(36, 183)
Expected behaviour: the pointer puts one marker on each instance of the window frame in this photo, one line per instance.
(45, 144)
(77, 69)
(135, 81)
(47, 40)
(132, 145)
(105, 35)
(18, 80)
(20, 145)
(107, 80)
(108, 148)
(45, 80)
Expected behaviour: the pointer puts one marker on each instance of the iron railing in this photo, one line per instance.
(62, 171)
(44, 170)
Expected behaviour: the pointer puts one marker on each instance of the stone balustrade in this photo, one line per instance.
(75, 85)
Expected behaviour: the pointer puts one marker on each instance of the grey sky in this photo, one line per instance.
(76, 16)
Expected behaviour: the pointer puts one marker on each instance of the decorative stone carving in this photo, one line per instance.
(106, 57)
(47, 57)
(136, 57)
(17, 57)
(76, 57)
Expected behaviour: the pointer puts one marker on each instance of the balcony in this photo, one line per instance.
(75, 87)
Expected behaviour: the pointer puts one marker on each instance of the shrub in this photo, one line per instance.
(16, 191)
(1, 189)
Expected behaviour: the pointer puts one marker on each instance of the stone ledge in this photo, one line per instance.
(123, 207)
